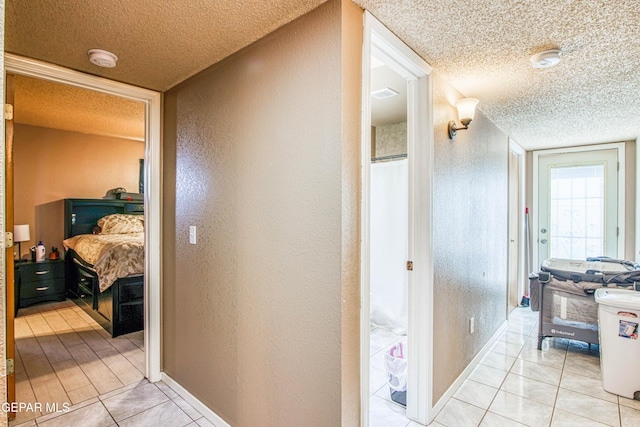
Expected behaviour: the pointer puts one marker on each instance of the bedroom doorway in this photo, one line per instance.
(152, 116)
(407, 172)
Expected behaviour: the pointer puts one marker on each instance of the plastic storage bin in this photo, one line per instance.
(619, 317)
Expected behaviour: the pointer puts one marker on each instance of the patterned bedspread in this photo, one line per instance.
(112, 255)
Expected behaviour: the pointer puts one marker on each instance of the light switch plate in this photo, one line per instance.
(192, 234)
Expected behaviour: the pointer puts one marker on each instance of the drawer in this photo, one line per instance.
(132, 312)
(36, 271)
(41, 288)
(134, 208)
(130, 292)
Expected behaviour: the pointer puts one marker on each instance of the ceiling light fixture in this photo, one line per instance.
(546, 59)
(102, 58)
(466, 111)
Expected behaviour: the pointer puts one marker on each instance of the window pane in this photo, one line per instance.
(576, 203)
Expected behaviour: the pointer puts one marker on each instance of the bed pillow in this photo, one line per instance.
(121, 224)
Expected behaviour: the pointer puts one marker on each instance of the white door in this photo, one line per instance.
(513, 271)
(578, 205)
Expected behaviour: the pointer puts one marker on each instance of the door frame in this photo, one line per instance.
(152, 177)
(636, 249)
(520, 217)
(620, 147)
(397, 55)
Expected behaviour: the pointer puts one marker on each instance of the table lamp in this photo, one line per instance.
(21, 234)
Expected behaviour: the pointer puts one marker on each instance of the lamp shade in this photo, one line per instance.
(466, 109)
(21, 233)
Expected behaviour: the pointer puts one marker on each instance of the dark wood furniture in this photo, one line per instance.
(39, 282)
(119, 309)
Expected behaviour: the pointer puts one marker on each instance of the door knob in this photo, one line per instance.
(543, 241)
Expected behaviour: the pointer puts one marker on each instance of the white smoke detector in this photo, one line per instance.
(102, 58)
(546, 59)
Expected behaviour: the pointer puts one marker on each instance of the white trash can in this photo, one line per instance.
(395, 365)
(618, 318)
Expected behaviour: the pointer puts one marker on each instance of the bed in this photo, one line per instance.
(104, 261)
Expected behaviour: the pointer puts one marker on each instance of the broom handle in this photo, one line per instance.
(527, 240)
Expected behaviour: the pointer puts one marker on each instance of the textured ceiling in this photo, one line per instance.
(481, 47)
(58, 106)
(159, 43)
(388, 110)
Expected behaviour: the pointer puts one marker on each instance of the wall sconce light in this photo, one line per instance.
(466, 110)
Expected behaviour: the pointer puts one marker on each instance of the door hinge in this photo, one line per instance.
(10, 366)
(8, 112)
(410, 265)
(8, 239)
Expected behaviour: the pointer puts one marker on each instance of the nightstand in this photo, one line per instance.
(39, 281)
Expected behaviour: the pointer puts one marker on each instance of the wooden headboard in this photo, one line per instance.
(82, 215)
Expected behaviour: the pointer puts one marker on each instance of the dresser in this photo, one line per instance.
(39, 281)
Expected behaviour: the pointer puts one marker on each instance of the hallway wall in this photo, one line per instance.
(261, 153)
(470, 237)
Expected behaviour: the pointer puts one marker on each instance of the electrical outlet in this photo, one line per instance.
(472, 325)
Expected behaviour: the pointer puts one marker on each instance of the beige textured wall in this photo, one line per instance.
(352, 32)
(253, 319)
(51, 165)
(390, 139)
(470, 237)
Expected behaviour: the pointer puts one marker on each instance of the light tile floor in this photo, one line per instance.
(516, 384)
(64, 357)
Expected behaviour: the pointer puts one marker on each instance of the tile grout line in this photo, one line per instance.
(49, 361)
(70, 329)
(555, 400)
(503, 380)
(151, 407)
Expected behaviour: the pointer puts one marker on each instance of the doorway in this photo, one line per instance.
(416, 259)
(579, 202)
(388, 234)
(517, 273)
(152, 102)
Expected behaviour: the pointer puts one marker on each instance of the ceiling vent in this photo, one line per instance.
(387, 92)
(102, 58)
(546, 59)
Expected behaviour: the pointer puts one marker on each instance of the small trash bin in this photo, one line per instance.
(395, 365)
(618, 319)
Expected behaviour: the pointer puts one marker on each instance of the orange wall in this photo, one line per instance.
(51, 165)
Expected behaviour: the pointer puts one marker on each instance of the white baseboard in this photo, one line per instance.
(219, 422)
(463, 376)
(193, 401)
